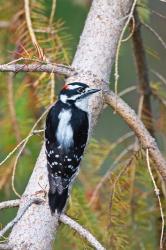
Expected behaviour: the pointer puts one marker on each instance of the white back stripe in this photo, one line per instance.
(64, 131)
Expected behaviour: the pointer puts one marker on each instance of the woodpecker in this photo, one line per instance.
(66, 133)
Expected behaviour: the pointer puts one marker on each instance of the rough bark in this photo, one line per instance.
(36, 67)
(95, 53)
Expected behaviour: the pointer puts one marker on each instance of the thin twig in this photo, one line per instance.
(21, 213)
(140, 106)
(36, 60)
(129, 161)
(52, 76)
(156, 34)
(160, 99)
(12, 152)
(157, 192)
(82, 231)
(127, 90)
(31, 31)
(18, 145)
(151, 10)
(126, 166)
(52, 94)
(29, 22)
(47, 30)
(52, 12)
(39, 79)
(11, 104)
(132, 30)
(22, 148)
(120, 140)
(116, 74)
(157, 13)
(160, 77)
(9, 204)
(115, 144)
(108, 173)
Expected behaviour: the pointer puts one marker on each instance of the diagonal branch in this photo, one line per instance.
(82, 231)
(146, 140)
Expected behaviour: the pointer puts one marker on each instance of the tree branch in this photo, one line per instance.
(9, 204)
(38, 67)
(82, 231)
(146, 140)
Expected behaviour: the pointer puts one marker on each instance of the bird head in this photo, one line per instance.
(76, 92)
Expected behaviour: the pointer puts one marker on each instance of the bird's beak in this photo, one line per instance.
(89, 92)
(92, 91)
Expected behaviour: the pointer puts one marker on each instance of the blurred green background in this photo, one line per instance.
(31, 98)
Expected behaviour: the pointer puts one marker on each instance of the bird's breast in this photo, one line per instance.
(64, 132)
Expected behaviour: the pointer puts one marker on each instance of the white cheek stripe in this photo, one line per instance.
(82, 104)
(64, 132)
(73, 86)
(74, 97)
(63, 98)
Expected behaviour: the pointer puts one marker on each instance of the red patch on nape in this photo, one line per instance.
(66, 87)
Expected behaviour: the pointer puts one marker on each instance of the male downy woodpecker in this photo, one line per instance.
(66, 133)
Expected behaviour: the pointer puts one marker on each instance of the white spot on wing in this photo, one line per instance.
(70, 167)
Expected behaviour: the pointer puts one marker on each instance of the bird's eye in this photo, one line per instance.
(81, 90)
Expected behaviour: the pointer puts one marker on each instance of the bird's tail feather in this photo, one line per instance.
(57, 201)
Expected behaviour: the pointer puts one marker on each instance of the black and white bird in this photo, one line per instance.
(66, 133)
